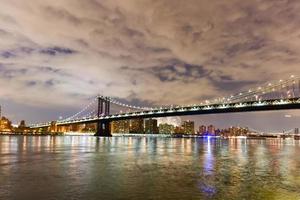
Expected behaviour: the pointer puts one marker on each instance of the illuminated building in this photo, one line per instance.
(22, 128)
(238, 131)
(5, 125)
(90, 127)
(188, 127)
(211, 129)
(120, 126)
(202, 130)
(166, 128)
(151, 126)
(179, 130)
(136, 125)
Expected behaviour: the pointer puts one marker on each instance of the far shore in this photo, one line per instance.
(154, 135)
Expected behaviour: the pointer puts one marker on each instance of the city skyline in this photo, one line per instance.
(54, 57)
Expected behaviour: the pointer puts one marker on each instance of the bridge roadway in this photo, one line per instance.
(103, 121)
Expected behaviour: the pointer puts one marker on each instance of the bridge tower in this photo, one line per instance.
(103, 125)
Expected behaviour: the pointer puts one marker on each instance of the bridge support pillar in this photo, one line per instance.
(103, 129)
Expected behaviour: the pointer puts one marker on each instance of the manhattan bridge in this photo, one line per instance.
(102, 110)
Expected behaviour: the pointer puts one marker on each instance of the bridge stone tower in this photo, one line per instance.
(103, 125)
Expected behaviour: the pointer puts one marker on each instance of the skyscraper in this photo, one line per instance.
(211, 129)
(136, 126)
(202, 129)
(121, 126)
(166, 128)
(189, 127)
(151, 126)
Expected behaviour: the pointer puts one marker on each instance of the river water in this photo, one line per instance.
(86, 167)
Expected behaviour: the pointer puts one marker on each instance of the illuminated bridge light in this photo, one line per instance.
(223, 106)
(259, 103)
(207, 108)
(240, 105)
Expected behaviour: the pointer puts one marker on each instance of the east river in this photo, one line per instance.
(86, 167)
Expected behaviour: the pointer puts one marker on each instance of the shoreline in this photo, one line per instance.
(156, 135)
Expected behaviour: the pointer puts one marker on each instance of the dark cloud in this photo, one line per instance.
(7, 54)
(7, 72)
(254, 44)
(174, 71)
(53, 51)
(49, 69)
(51, 83)
(132, 32)
(31, 83)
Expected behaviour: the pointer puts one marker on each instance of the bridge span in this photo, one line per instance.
(282, 95)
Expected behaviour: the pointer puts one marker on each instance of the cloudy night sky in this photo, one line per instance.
(56, 55)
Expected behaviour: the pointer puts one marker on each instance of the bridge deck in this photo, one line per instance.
(267, 105)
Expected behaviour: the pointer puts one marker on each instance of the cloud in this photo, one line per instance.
(162, 52)
(53, 51)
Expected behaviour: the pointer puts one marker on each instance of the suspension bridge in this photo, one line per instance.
(102, 110)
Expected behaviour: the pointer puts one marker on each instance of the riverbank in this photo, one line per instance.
(296, 137)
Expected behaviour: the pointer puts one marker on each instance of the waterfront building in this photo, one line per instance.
(238, 131)
(136, 125)
(5, 125)
(90, 127)
(151, 126)
(202, 130)
(211, 130)
(188, 127)
(166, 128)
(120, 126)
(179, 130)
(22, 128)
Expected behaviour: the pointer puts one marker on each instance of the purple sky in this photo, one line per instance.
(56, 55)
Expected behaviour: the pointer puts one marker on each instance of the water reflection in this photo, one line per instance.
(74, 167)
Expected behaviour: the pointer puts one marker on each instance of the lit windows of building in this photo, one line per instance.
(136, 125)
(151, 126)
(166, 128)
(202, 129)
(211, 129)
(120, 126)
(5, 125)
(188, 127)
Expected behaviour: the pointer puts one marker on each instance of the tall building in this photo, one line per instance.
(211, 129)
(296, 130)
(179, 130)
(22, 128)
(202, 129)
(120, 126)
(136, 125)
(5, 125)
(188, 127)
(166, 128)
(238, 131)
(151, 126)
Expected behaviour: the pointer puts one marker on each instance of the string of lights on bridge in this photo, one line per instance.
(257, 95)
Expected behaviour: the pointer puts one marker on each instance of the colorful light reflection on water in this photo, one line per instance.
(85, 167)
